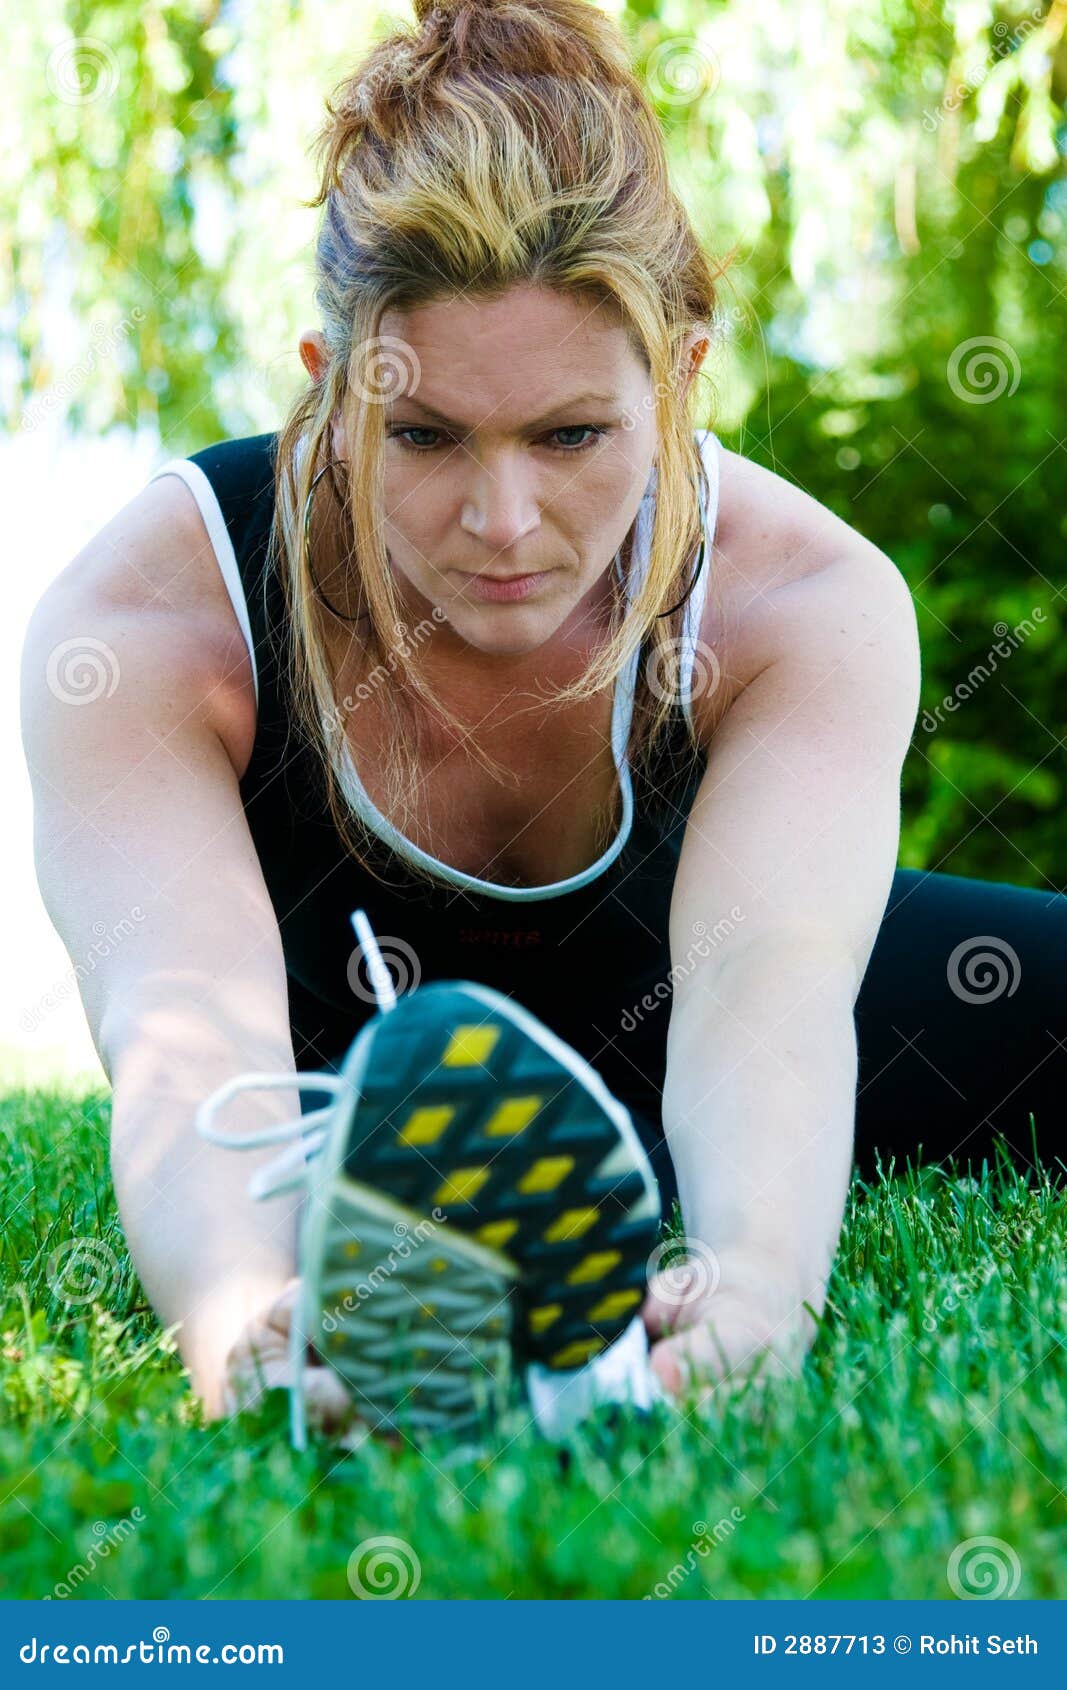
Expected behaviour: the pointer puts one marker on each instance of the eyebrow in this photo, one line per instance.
(537, 422)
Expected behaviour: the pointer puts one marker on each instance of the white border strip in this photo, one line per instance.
(208, 505)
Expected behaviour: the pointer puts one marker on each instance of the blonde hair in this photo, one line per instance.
(496, 142)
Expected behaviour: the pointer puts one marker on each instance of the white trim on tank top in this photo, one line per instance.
(219, 535)
(348, 777)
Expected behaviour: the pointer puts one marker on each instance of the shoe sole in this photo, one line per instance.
(517, 1186)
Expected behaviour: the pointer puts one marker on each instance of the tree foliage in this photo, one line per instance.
(887, 179)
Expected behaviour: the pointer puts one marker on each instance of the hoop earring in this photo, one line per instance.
(689, 589)
(692, 584)
(307, 545)
(685, 595)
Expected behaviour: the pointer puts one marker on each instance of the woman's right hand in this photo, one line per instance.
(259, 1360)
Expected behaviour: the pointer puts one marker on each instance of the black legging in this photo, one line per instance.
(961, 1022)
(961, 1025)
(961, 1028)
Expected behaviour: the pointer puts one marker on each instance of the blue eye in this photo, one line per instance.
(579, 428)
(398, 433)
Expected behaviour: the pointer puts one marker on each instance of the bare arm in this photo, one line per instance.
(783, 880)
(139, 826)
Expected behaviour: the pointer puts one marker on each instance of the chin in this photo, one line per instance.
(511, 634)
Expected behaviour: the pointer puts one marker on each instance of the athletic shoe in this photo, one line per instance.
(477, 1202)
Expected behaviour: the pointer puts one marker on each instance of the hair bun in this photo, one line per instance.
(444, 9)
(424, 8)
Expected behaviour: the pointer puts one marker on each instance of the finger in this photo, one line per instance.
(259, 1358)
(666, 1364)
(717, 1351)
(256, 1367)
(331, 1409)
(672, 1300)
(659, 1317)
(684, 1370)
(279, 1316)
(329, 1405)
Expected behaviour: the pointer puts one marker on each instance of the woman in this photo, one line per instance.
(651, 793)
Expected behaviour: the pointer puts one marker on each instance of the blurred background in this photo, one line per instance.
(887, 183)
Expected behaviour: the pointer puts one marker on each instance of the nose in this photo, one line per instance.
(499, 508)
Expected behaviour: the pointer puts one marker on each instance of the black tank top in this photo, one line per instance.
(592, 962)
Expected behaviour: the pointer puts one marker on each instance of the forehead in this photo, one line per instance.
(515, 354)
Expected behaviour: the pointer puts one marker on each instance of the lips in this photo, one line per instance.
(504, 589)
(523, 575)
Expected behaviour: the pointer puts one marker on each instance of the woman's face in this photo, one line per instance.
(519, 439)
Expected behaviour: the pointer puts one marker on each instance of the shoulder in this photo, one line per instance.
(147, 582)
(791, 579)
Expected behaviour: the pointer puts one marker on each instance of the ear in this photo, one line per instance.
(315, 358)
(313, 354)
(694, 351)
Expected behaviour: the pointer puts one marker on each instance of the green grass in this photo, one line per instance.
(933, 1409)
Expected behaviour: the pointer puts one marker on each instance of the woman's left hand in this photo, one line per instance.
(698, 1340)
